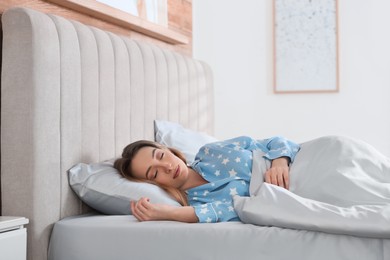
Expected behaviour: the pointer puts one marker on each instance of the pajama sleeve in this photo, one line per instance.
(216, 212)
(277, 147)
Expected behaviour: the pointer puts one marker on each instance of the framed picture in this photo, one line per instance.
(305, 46)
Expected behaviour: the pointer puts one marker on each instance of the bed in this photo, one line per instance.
(71, 93)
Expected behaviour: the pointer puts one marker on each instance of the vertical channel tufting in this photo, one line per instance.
(210, 98)
(89, 94)
(149, 87)
(192, 94)
(70, 109)
(31, 124)
(183, 89)
(122, 93)
(137, 93)
(162, 83)
(202, 97)
(173, 89)
(106, 97)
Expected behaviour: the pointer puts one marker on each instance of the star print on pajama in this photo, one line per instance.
(227, 166)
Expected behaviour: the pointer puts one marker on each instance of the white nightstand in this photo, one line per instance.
(13, 238)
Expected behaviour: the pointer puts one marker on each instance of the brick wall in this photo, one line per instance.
(180, 20)
(180, 16)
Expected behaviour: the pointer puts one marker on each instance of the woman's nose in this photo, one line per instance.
(167, 167)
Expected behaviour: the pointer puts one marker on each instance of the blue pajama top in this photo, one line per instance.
(227, 166)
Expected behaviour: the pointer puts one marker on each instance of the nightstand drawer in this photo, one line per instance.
(13, 244)
(13, 238)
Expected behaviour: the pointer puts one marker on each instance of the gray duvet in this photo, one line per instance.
(338, 185)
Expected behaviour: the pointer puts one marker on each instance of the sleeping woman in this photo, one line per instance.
(330, 184)
(206, 187)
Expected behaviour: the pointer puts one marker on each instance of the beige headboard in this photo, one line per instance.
(71, 93)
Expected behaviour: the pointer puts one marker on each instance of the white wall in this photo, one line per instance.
(234, 37)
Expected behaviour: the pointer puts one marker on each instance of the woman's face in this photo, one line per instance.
(159, 165)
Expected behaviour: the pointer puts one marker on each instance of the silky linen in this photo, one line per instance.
(99, 237)
(338, 185)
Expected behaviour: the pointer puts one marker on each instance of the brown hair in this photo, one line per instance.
(123, 165)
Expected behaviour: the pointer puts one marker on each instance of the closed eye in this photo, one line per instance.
(160, 158)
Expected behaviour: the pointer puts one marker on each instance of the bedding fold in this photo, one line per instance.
(337, 185)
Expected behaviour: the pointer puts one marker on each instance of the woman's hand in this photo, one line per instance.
(278, 174)
(143, 210)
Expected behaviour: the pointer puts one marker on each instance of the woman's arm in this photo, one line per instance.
(143, 210)
(281, 152)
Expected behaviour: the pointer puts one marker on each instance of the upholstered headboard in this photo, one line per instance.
(72, 93)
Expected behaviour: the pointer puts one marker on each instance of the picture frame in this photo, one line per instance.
(305, 41)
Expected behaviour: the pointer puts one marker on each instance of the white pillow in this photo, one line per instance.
(185, 140)
(101, 187)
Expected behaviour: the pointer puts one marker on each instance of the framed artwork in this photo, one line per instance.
(305, 46)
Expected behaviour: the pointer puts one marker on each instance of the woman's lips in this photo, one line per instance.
(177, 172)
